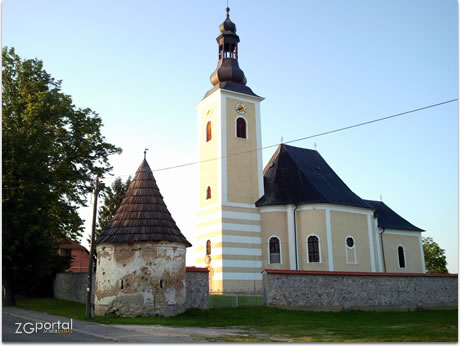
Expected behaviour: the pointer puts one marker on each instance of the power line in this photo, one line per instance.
(311, 136)
(286, 142)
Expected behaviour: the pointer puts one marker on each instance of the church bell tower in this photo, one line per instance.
(228, 226)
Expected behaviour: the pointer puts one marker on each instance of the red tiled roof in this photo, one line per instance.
(73, 245)
(196, 269)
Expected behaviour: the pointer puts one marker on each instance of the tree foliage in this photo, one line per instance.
(435, 260)
(113, 195)
(52, 152)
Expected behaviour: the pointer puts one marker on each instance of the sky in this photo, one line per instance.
(320, 64)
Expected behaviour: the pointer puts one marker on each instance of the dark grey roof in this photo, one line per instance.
(232, 86)
(142, 215)
(388, 218)
(297, 176)
(228, 74)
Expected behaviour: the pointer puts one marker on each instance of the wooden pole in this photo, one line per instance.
(91, 251)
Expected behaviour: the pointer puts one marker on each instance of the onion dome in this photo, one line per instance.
(228, 74)
(142, 215)
(227, 26)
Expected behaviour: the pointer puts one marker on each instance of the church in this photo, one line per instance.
(294, 214)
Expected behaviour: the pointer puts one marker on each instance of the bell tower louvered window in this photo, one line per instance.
(208, 192)
(241, 128)
(274, 248)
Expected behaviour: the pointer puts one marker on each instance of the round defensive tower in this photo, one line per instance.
(141, 255)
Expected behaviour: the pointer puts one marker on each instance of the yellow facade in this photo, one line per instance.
(229, 219)
(367, 254)
(411, 245)
(343, 225)
(312, 222)
(275, 223)
(242, 171)
(238, 233)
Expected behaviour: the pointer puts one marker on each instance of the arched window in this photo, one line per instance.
(241, 128)
(401, 257)
(350, 250)
(208, 247)
(208, 192)
(208, 131)
(274, 249)
(313, 254)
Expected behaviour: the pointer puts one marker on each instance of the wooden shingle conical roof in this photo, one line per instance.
(142, 215)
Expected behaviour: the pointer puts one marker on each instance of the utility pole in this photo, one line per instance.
(91, 251)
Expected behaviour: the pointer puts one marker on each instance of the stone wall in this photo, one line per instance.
(345, 291)
(72, 286)
(140, 279)
(197, 288)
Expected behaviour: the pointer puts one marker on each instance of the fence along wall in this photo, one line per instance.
(336, 291)
(72, 286)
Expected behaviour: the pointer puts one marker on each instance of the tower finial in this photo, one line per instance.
(228, 10)
(145, 153)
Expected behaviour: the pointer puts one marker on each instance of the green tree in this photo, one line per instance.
(113, 195)
(435, 260)
(52, 152)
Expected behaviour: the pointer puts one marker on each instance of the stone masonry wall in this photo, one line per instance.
(197, 288)
(72, 286)
(334, 291)
(140, 279)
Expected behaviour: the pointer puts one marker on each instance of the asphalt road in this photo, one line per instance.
(10, 325)
(83, 331)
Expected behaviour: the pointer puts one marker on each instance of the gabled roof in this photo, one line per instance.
(73, 245)
(388, 218)
(297, 175)
(142, 215)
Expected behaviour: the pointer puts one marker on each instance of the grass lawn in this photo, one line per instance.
(270, 324)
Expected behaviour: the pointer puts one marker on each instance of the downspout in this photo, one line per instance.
(295, 239)
(383, 252)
